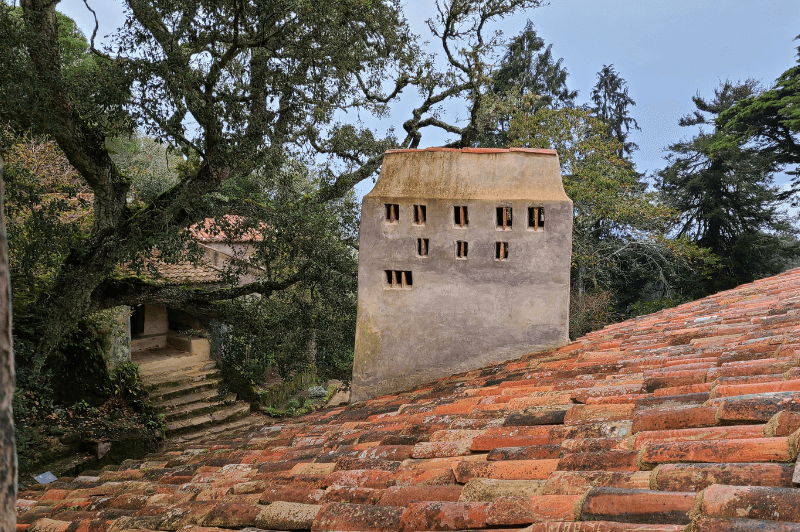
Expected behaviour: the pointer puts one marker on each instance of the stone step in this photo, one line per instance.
(195, 423)
(168, 405)
(164, 366)
(227, 429)
(163, 394)
(176, 379)
(199, 407)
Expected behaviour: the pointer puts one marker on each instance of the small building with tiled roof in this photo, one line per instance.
(458, 266)
(155, 326)
(680, 421)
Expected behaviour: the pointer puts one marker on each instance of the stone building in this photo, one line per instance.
(464, 260)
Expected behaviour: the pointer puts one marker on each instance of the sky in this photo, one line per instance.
(667, 51)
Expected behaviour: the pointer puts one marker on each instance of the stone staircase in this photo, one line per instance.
(184, 387)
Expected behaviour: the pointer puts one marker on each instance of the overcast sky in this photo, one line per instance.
(667, 51)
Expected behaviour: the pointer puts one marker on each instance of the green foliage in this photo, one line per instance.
(296, 406)
(317, 392)
(150, 166)
(611, 99)
(243, 111)
(96, 86)
(283, 391)
(619, 238)
(127, 384)
(312, 322)
(640, 308)
(622, 252)
(528, 79)
(590, 311)
(725, 196)
(84, 408)
(768, 122)
(529, 67)
(47, 212)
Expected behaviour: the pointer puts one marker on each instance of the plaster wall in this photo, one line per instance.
(156, 320)
(460, 313)
(219, 255)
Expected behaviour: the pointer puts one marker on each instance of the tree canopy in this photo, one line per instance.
(770, 120)
(250, 95)
(527, 78)
(611, 99)
(726, 197)
(619, 239)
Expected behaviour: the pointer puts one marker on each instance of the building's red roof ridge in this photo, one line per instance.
(686, 419)
(539, 151)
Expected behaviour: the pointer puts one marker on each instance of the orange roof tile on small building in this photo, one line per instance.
(211, 230)
(187, 273)
(682, 420)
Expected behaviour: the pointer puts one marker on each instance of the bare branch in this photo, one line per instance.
(94, 34)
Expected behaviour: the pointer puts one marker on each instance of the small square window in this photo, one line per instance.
(392, 213)
(504, 218)
(422, 247)
(501, 250)
(535, 218)
(419, 214)
(462, 248)
(460, 216)
(398, 279)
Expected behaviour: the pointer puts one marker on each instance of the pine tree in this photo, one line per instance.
(611, 99)
(528, 79)
(727, 201)
(771, 122)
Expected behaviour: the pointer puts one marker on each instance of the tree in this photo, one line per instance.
(241, 91)
(611, 99)
(530, 68)
(151, 166)
(18, 75)
(770, 120)
(620, 250)
(528, 76)
(8, 455)
(726, 197)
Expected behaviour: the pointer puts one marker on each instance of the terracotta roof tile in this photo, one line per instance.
(687, 416)
(211, 230)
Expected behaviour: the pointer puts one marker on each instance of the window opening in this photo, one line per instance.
(504, 217)
(461, 216)
(419, 214)
(399, 279)
(422, 247)
(392, 212)
(536, 218)
(501, 250)
(462, 248)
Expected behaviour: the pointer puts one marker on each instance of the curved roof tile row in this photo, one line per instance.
(686, 419)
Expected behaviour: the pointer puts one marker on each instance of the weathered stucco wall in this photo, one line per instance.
(459, 313)
(155, 320)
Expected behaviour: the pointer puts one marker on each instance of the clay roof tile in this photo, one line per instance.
(688, 415)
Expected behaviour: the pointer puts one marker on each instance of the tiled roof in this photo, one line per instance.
(209, 230)
(187, 273)
(183, 272)
(685, 419)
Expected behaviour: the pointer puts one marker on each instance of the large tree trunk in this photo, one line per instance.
(8, 455)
